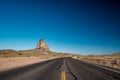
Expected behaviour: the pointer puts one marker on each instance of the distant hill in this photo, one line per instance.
(8, 53)
(32, 53)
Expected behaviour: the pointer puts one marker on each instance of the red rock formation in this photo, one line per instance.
(42, 45)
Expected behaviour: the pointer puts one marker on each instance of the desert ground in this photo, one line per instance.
(13, 62)
(112, 60)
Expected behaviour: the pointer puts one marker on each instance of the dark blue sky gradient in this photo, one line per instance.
(75, 26)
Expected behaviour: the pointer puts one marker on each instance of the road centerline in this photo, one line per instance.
(63, 75)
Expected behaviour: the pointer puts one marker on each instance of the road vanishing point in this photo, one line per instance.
(61, 69)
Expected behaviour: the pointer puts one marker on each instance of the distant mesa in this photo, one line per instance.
(41, 45)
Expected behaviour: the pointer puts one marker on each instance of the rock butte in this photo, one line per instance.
(41, 45)
(41, 48)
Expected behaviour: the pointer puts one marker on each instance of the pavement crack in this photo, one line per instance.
(70, 72)
(59, 66)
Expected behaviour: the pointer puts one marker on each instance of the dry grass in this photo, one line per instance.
(112, 61)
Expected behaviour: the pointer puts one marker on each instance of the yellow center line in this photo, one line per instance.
(63, 75)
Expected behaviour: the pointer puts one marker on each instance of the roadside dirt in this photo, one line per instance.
(9, 63)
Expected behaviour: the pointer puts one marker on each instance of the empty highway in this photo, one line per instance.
(61, 69)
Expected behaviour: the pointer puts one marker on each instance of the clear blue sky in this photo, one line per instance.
(74, 26)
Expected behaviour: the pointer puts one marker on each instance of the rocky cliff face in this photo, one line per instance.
(41, 45)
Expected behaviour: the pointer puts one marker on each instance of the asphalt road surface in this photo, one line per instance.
(61, 69)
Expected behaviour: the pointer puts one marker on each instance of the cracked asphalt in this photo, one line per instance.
(51, 70)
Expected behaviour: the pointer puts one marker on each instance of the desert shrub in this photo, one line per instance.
(54, 55)
(28, 55)
(4, 53)
(20, 54)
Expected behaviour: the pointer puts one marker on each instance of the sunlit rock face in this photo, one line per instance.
(41, 45)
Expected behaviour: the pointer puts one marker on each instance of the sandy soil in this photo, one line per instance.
(9, 63)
